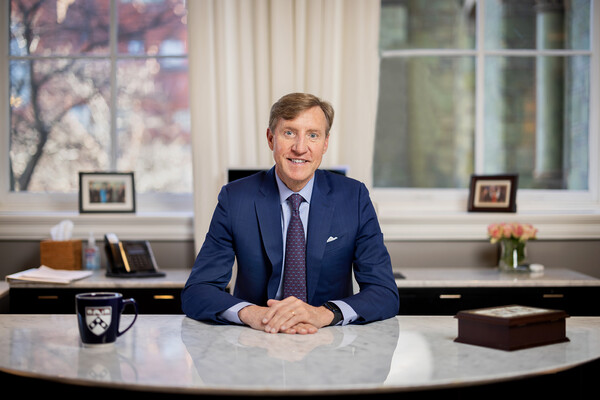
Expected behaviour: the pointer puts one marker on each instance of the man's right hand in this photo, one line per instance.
(271, 321)
(253, 316)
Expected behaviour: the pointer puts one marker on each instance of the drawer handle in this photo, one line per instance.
(164, 297)
(553, 296)
(50, 297)
(450, 296)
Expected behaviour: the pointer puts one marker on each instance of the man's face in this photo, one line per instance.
(298, 146)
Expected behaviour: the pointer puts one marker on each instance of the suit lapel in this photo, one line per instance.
(268, 212)
(319, 223)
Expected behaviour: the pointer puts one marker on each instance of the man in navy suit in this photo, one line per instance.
(249, 226)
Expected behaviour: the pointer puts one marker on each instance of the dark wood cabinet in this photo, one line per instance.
(156, 295)
(446, 291)
(62, 300)
(423, 291)
(574, 300)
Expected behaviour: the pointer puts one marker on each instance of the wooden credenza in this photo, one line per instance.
(161, 295)
(446, 291)
(423, 291)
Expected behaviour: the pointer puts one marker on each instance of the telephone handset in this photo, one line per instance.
(129, 258)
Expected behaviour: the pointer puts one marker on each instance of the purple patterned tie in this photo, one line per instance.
(294, 280)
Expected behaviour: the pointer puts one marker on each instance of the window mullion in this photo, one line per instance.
(594, 117)
(479, 88)
(114, 19)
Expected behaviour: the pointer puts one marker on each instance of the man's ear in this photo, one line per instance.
(270, 138)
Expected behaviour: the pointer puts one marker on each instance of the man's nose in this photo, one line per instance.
(300, 145)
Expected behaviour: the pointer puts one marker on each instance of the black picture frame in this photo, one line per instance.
(493, 193)
(106, 192)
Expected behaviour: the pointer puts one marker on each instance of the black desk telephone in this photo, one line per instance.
(129, 258)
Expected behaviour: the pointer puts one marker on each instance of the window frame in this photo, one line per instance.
(441, 214)
(26, 215)
(405, 214)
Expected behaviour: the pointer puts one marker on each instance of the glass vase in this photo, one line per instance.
(512, 255)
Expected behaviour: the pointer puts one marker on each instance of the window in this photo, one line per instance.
(98, 85)
(485, 87)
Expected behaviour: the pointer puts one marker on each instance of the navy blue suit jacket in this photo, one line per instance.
(246, 226)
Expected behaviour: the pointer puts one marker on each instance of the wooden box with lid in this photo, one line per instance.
(511, 327)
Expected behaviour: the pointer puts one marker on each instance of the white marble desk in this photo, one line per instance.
(414, 277)
(177, 355)
(491, 277)
(173, 279)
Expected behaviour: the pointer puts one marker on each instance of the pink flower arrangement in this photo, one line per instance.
(515, 231)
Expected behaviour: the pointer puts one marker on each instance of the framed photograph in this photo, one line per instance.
(493, 193)
(106, 192)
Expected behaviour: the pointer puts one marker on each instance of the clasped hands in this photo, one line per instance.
(290, 315)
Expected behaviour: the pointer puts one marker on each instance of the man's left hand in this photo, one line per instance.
(292, 315)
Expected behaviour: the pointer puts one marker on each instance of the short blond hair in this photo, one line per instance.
(291, 105)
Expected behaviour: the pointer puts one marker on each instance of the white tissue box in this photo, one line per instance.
(61, 254)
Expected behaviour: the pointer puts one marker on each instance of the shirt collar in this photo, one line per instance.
(285, 192)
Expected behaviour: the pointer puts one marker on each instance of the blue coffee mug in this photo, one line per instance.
(99, 315)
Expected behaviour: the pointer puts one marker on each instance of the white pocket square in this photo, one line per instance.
(331, 239)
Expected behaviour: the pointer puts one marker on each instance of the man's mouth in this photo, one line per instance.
(297, 161)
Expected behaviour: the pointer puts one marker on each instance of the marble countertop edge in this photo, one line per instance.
(359, 389)
(422, 355)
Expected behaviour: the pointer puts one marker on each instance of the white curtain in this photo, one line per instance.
(245, 54)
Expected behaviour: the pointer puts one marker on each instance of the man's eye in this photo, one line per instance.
(288, 133)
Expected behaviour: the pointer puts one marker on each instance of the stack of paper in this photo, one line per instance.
(48, 275)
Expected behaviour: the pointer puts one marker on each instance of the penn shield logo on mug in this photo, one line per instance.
(98, 319)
